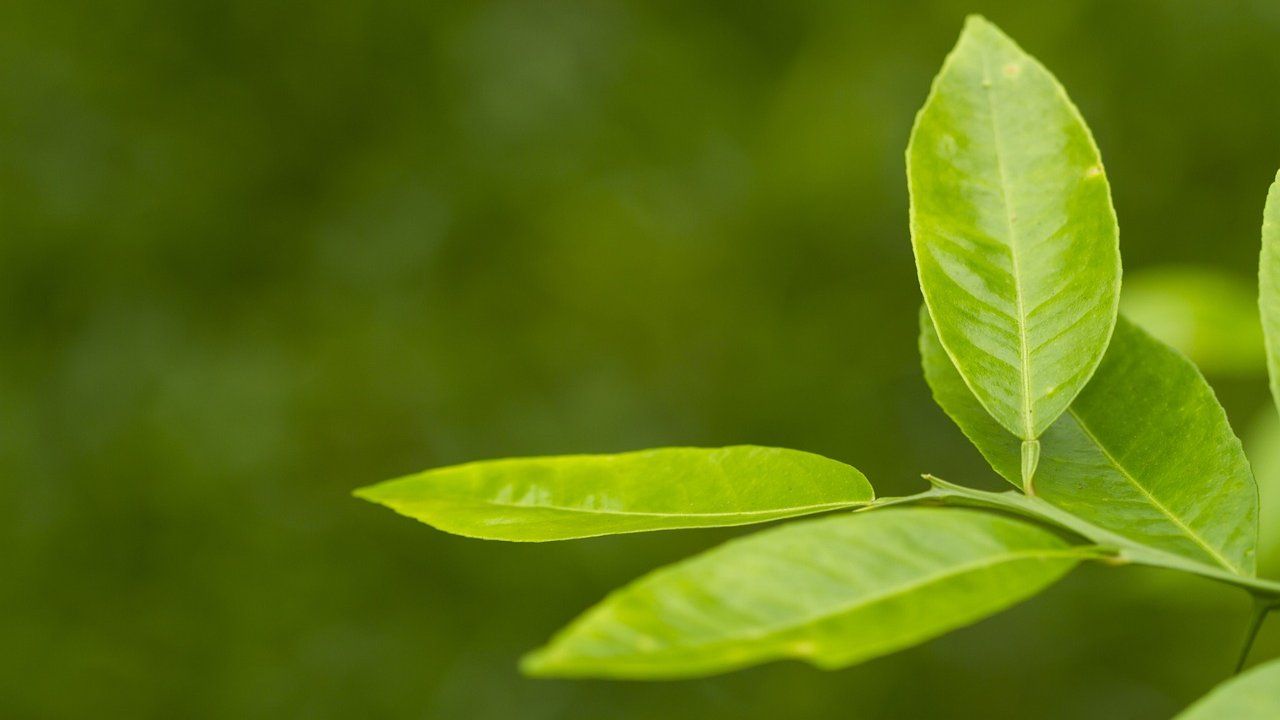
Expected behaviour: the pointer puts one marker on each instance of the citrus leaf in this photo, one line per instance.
(833, 592)
(1255, 695)
(1014, 234)
(1269, 285)
(1145, 451)
(1115, 549)
(576, 496)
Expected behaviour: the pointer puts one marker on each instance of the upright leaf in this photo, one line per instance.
(1014, 234)
(1145, 451)
(576, 496)
(1255, 695)
(1269, 285)
(832, 592)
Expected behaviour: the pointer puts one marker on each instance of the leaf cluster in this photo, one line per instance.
(1115, 446)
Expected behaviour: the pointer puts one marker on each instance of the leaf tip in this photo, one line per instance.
(538, 663)
(371, 493)
(975, 23)
(981, 28)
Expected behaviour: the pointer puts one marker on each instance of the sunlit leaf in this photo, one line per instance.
(833, 592)
(1014, 233)
(1210, 316)
(1269, 285)
(1255, 695)
(575, 496)
(1145, 451)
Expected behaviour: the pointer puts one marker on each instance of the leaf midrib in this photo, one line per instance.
(634, 513)
(1028, 423)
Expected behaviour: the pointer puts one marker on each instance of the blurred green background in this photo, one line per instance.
(255, 254)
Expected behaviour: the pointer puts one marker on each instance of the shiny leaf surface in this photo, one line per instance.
(833, 592)
(575, 496)
(1145, 451)
(1014, 234)
(1255, 695)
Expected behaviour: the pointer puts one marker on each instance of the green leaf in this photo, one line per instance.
(1145, 451)
(1208, 315)
(1014, 234)
(833, 592)
(1255, 695)
(1114, 548)
(1269, 285)
(577, 496)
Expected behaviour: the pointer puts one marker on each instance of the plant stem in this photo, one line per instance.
(1123, 549)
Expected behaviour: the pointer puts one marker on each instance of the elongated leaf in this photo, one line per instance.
(1269, 285)
(1145, 451)
(1208, 315)
(833, 592)
(1255, 695)
(1014, 234)
(576, 496)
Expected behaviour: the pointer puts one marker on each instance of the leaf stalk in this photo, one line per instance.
(1030, 459)
(1125, 551)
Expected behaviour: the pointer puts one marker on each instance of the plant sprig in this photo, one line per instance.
(1115, 445)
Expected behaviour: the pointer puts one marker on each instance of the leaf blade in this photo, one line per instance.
(1254, 695)
(1110, 461)
(832, 591)
(1269, 285)
(1015, 238)
(577, 496)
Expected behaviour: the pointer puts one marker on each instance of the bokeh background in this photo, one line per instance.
(256, 254)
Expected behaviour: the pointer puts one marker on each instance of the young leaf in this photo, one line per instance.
(1269, 285)
(832, 592)
(1255, 695)
(1014, 234)
(1145, 451)
(577, 496)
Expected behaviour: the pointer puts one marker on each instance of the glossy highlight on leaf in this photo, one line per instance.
(576, 496)
(1255, 695)
(1145, 451)
(833, 592)
(1014, 234)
